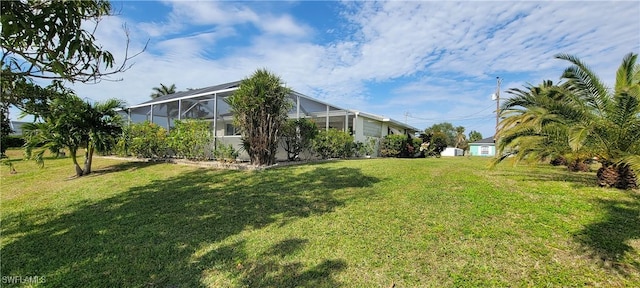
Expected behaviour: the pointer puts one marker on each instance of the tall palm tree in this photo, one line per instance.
(580, 118)
(607, 122)
(163, 90)
(461, 139)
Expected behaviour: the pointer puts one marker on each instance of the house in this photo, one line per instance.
(210, 103)
(16, 127)
(485, 147)
(452, 151)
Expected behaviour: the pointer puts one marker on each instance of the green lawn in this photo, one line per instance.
(357, 223)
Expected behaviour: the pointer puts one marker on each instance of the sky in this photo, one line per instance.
(419, 62)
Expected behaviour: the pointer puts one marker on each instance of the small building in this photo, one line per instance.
(210, 104)
(485, 147)
(452, 151)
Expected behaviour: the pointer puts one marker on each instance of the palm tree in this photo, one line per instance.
(105, 127)
(533, 126)
(163, 90)
(73, 124)
(461, 139)
(607, 122)
(63, 127)
(581, 119)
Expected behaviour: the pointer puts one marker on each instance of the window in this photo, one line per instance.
(372, 128)
(231, 130)
(484, 150)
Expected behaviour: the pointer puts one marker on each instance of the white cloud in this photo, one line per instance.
(211, 13)
(444, 52)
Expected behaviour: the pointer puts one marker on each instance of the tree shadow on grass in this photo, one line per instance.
(129, 166)
(147, 236)
(577, 179)
(267, 270)
(608, 239)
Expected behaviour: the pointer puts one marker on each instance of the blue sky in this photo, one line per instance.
(419, 61)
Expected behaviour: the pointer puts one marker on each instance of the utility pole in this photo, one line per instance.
(496, 96)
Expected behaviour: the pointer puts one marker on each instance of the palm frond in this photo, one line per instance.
(585, 83)
(631, 160)
(626, 76)
(578, 136)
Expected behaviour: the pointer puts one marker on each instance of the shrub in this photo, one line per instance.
(393, 145)
(367, 148)
(297, 136)
(370, 146)
(333, 143)
(191, 139)
(12, 141)
(123, 144)
(413, 146)
(433, 144)
(225, 153)
(358, 149)
(146, 139)
(396, 145)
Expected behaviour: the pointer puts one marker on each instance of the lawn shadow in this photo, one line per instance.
(607, 240)
(128, 166)
(147, 236)
(266, 271)
(577, 179)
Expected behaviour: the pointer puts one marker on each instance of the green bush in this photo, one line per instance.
(146, 139)
(416, 142)
(191, 139)
(225, 153)
(396, 145)
(358, 149)
(433, 144)
(297, 136)
(393, 145)
(333, 143)
(123, 143)
(12, 141)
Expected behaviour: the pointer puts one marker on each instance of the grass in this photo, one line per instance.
(357, 223)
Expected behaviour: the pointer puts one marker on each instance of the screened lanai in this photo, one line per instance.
(210, 104)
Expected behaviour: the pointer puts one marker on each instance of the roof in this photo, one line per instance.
(191, 93)
(309, 105)
(488, 140)
(384, 119)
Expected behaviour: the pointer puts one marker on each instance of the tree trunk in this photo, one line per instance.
(619, 176)
(627, 179)
(88, 159)
(559, 161)
(578, 166)
(74, 154)
(607, 175)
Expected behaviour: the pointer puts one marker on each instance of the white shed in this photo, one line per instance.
(451, 151)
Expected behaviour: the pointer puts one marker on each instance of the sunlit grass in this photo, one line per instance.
(356, 223)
